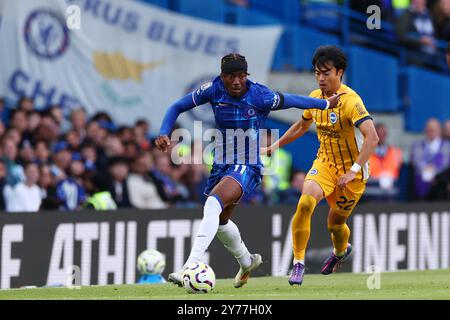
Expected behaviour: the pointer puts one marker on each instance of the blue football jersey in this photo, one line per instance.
(238, 120)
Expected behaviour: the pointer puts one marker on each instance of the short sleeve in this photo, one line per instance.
(272, 100)
(357, 111)
(307, 115)
(203, 94)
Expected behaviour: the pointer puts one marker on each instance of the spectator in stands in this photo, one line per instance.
(74, 140)
(15, 172)
(70, 190)
(141, 188)
(48, 128)
(385, 165)
(78, 121)
(441, 17)
(140, 136)
(19, 120)
(440, 189)
(169, 189)
(126, 134)
(26, 152)
(34, 121)
(89, 155)
(291, 195)
(47, 185)
(116, 181)
(429, 157)
(447, 130)
(62, 156)
(100, 198)
(25, 104)
(96, 133)
(42, 152)
(415, 28)
(2, 183)
(14, 135)
(24, 196)
(57, 114)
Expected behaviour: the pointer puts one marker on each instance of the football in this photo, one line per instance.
(199, 277)
(151, 262)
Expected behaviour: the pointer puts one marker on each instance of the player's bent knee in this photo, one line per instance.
(306, 205)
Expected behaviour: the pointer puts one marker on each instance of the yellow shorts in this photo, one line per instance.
(342, 200)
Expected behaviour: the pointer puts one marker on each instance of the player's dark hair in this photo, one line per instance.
(325, 55)
(233, 62)
(448, 48)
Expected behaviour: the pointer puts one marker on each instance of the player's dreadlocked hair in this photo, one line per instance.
(233, 62)
(326, 54)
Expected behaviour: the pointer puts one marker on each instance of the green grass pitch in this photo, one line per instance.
(429, 284)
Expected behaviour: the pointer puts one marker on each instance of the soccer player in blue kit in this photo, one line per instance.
(237, 103)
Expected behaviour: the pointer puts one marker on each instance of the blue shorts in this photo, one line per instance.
(248, 176)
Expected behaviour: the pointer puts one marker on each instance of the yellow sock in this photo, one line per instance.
(340, 233)
(301, 225)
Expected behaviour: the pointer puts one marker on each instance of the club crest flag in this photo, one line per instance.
(124, 57)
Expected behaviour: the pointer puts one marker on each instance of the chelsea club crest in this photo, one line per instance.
(46, 34)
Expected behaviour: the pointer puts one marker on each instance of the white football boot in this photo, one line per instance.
(243, 274)
(177, 277)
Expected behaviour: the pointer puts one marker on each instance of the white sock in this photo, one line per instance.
(230, 236)
(297, 261)
(207, 229)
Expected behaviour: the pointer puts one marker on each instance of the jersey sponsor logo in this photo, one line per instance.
(333, 117)
(201, 114)
(329, 132)
(46, 34)
(313, 172)
(205, 86)
(361, 110)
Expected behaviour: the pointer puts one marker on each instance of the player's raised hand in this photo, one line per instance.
(334, 100)
(162, 143)
(346, 178)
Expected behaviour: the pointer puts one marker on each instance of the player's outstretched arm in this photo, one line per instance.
(184, 104)
(294, 132)
(367, 129)
(304, 102)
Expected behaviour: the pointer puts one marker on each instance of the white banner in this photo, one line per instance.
(123, 57)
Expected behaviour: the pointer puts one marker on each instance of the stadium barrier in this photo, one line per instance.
(55, 248)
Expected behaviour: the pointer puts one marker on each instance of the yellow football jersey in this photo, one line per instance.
(338, 133)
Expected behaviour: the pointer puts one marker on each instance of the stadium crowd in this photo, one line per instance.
(48, 161)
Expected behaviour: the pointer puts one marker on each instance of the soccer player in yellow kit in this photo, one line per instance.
(339, 173)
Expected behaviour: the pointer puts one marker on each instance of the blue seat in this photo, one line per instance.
(305, 42)
(427, 96)
(212, 10)
(247, 17)
(376, 82)
(322, 15)
(288, 10)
